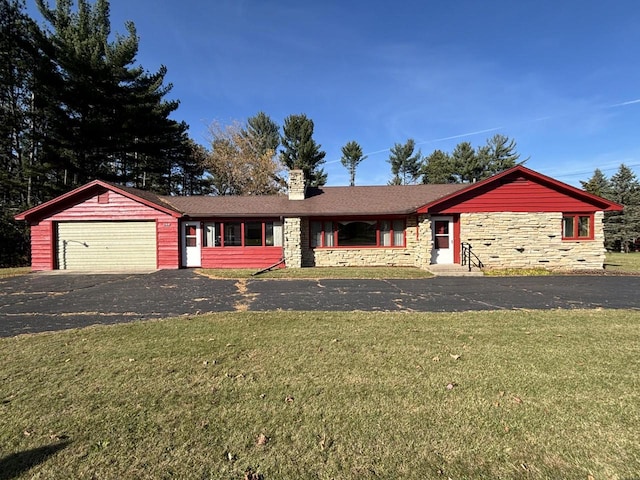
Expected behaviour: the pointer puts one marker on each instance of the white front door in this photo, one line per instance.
(191, 244)
(442, 231)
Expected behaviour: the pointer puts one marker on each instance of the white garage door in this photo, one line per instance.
(106, 245)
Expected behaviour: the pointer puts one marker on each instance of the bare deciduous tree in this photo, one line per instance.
(238, 164)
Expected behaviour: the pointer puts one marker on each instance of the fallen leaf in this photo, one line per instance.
(289, 399)
(249, 474)
(517, 400)
(455, 357)
(506, 429)
(262, 439)
(435, 359)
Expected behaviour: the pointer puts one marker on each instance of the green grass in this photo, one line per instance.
(533, 395)
(320, 272)
(623, 262)
(520, 272)
(14, 272)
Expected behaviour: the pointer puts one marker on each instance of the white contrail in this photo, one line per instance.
(630, 102)
(468, 134)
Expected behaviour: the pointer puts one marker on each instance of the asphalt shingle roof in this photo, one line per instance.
(341, 201)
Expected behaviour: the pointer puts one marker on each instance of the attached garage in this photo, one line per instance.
(104, 227)
(111, 245)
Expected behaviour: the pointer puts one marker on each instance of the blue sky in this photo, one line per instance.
(562, 78)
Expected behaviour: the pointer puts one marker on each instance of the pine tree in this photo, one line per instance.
(300, 151)
(499, 154)
(405, 163)
(598, 184)
(264, 132)
(116, 122)
(24, 114)
(351, 157)
(623, 228)
(468, 166)
(439, 168)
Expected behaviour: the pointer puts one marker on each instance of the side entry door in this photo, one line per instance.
(442, 231)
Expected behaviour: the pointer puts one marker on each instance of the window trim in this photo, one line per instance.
(576, 224)
(219, 225)
(334, 233)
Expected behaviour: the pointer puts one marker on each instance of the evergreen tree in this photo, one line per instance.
(24, 116)
(405, 163)
(439, 168)
(351, 158)
(468, 166)
(623, 228)
(598, 184)
(300, 151)
(264, 132)
(25, 107)
(188, 176)
(116, 124)
(499, 154)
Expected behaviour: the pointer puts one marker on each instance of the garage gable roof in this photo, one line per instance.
(147, 198)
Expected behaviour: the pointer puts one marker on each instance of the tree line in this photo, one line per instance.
(74, 106)
(621, 229)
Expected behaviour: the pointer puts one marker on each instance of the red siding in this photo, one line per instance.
(515, 195)
(119, 208)
(168, 246)
(240, 257)
(42, 246)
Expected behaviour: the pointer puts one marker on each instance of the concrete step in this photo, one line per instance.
(454, 270)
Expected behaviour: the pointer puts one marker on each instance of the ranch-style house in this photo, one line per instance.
(518, 218)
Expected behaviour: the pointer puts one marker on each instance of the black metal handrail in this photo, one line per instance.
(469, 258)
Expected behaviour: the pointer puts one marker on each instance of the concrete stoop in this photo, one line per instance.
(454, 270)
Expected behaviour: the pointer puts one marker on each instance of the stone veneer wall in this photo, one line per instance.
(293, 242)
(365, 257)
(530, 240)
(424, 246)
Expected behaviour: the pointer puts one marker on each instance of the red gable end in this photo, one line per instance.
(519, 190)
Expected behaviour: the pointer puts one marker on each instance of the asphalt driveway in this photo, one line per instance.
(44, 302)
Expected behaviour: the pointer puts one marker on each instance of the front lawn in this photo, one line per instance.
(14, 271)
(320, 272)
(617, 262)
(284, 395)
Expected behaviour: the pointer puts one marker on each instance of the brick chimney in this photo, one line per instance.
(297, 185)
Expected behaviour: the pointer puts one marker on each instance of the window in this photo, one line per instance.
(577, 227)
(357, 233)
(243, 234)
(212, 234)
(190, 236)
(232, 234)
(441, 234)
(253, 234)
